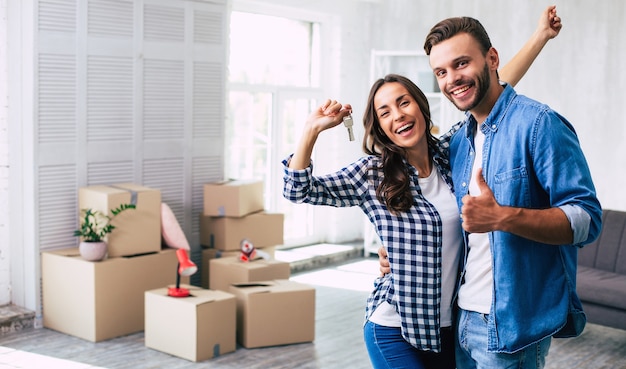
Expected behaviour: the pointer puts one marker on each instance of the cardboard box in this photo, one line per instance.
(225, 233)
(234, 198)
(137, 231)
(97, 301)
(195, 328)
(226, 271)
(274, 313)
(208, 254)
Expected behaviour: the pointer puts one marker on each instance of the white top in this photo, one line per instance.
(436, 192)
(475, 293)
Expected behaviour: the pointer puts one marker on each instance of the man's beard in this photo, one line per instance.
(482, 84)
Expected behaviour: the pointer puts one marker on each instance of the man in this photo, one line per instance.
(524, 219)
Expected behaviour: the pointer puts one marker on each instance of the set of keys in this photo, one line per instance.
(347, 121)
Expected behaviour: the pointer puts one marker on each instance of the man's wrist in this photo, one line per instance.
(508, 216)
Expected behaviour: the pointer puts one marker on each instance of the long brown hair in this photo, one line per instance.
(394, 189)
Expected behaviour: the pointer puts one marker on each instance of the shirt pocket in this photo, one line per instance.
(511, 188)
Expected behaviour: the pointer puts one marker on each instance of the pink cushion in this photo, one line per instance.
(171, 231)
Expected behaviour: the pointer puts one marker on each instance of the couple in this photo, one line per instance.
(515, 170)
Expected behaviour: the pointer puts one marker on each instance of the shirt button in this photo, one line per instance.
(493, 126)
(463, 184)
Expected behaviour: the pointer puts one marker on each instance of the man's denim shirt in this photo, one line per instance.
(531, 159)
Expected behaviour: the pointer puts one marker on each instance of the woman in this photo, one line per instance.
(404, 187)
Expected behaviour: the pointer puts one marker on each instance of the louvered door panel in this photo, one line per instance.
(164, 23)
(209, 34)
(55, 125)
(168, 176)
(208, 96)
(208, 27)
(57, 15)
(110, 172)
(165, 93)
(110, 18)
(164, 100)
(127, 91)
(57, 205)
(203, 170)
(57, 99)
(110, 99)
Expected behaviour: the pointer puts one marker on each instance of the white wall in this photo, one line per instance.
(581, 76)
(5, 296)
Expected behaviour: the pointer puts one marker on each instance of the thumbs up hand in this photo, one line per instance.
(480, 213)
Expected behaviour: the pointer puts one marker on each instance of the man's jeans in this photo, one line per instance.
(471, 347)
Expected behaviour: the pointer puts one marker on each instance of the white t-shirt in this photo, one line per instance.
(435, 191)
(475, 293)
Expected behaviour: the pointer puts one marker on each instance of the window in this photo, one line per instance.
(273, 82)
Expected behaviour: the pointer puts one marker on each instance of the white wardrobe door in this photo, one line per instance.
(127, 91)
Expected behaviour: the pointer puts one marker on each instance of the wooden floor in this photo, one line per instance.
(341, 293)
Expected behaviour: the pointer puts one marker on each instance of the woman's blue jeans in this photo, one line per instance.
(471, 347)
(387, 349)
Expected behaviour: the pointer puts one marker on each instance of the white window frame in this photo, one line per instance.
(284, 93)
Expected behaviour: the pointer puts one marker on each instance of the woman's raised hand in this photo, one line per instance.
(549, 23)
(328, 115)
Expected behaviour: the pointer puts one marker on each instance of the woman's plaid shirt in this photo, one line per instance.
(412, 239)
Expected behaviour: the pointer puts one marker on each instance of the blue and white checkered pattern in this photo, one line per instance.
(412, 239)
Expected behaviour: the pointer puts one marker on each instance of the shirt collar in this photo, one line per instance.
(496, 116)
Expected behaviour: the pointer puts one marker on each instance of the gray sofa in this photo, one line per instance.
(601, 279)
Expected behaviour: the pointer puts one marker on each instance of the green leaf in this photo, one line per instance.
(96, 225)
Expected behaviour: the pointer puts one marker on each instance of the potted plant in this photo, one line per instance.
(94, 226)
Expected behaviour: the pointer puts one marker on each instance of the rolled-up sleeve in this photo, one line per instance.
(579, 220)
(296, 181)
(343, 188)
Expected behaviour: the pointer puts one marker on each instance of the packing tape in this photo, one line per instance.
(133, 194)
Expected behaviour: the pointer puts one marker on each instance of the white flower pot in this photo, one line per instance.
(93, 251)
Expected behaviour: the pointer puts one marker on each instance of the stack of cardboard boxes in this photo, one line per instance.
(233, 212)
(253, 303)
(271, 310)
(102, 300)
